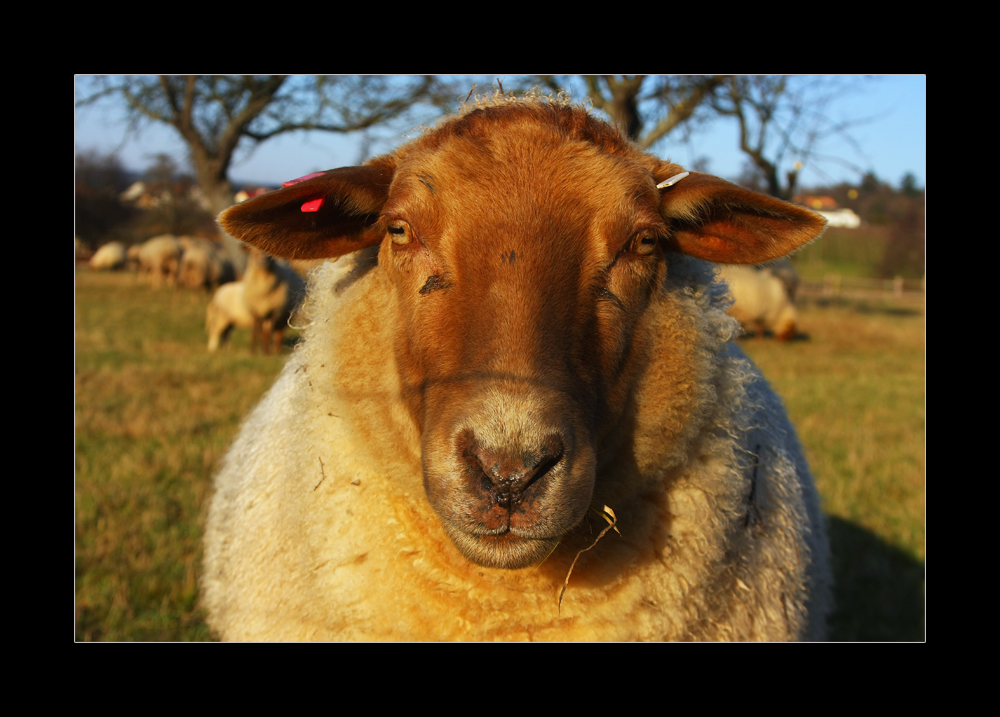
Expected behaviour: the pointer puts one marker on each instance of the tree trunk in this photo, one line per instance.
(235, 249)
(219, 192)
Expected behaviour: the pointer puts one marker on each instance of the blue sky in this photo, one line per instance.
(891, 143)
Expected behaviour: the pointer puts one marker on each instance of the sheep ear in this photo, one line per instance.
(719, 221)
(322, 215)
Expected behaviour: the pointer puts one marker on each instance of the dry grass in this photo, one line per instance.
(155, 413)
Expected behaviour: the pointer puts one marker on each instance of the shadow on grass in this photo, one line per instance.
(878, 588)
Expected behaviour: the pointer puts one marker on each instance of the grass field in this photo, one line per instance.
(155, 413)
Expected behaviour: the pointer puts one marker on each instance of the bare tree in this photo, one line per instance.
(781, 120)
(217, 115)
(646, 107)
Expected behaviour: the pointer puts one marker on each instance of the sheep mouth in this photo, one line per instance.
(502, 549)
(515, 530)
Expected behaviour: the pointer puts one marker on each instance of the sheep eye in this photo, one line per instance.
(644, 244)
(400, 232)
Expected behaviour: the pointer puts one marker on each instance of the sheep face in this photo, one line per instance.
(517, 312)
(524, 246)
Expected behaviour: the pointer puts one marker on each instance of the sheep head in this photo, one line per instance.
(525, 245)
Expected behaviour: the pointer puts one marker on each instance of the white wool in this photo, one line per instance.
(109, 256)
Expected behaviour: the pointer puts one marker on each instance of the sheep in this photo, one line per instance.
(227, 309)
(132, 256)
(272, 291)
(203, 265)
(760, 301)
(159, 257)
(109, 257)
(785, 272)
(523, 345)
(83, 253)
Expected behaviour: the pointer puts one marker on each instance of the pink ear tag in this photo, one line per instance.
(313, 206)
(290, 182)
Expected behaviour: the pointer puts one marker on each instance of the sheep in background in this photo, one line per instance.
(784, 271)
(272, 290)
(204, 265)
(159, 258)
(132, 256)
(228, 308)
(760, 301)
(109, 257)
(527, 328)
(81, 250)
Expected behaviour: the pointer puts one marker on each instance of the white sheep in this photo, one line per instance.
(159, 258)
(227, 309)
(109, 257)
(785, 272)
(204, 265)
(132, 256)
(526, 345)
(272, 291)
(760, 301)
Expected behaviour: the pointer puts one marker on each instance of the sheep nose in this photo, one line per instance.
(512, 470)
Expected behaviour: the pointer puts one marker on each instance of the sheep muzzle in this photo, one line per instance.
(508, 486)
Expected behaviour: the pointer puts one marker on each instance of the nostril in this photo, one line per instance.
(509, 472)
(540, 464)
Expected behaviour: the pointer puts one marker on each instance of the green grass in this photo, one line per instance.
(155, 413)
(848, 252)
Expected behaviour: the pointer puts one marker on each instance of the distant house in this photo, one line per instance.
(132, 194)
(827, 206)
(250, 192)
(147, 195)
(817, 203)
(842, 218)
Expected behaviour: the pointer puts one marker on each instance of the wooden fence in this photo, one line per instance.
(846, 287)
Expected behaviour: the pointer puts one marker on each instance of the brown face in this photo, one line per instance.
(522, 273)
